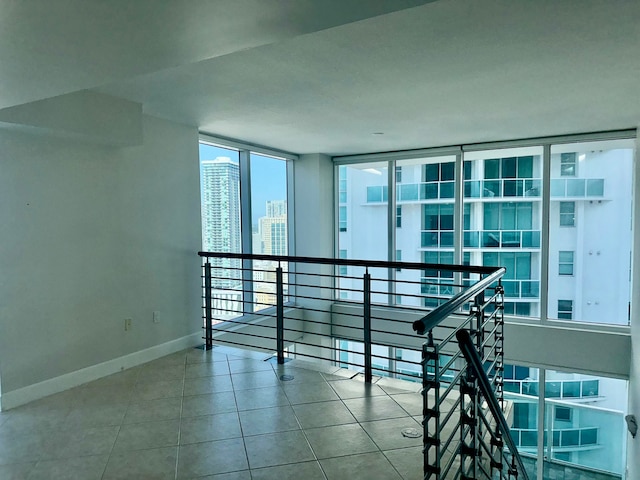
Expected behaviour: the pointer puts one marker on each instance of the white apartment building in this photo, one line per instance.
(501, 213)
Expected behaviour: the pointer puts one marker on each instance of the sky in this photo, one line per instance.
(268, 177)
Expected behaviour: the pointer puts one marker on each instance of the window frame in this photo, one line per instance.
(571, 215)
(245, 150)
(565, 263)
(464, 167)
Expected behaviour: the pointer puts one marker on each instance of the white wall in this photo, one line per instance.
(92, 235)
(314, 236)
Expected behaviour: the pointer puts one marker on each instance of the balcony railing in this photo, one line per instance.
(300, 306)
(494, 188)
(569, 389)
(569, 438)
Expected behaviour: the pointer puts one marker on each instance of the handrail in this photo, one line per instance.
(475, 363)
(353, 263)
(439, 314)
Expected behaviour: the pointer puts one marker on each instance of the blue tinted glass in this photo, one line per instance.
(595, 187)
(374, 194)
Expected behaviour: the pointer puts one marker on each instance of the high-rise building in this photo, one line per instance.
(276, 208)
(273, 228)
(220, 191)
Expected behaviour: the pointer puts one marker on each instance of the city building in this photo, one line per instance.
(273, 228)
(102, 108)
(220, 190)
(501, 206)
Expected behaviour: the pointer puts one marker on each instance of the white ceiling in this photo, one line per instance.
(324, 75)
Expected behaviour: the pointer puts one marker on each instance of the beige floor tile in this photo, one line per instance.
(374, 408)
(351, 389)
(252, 380)
(195, 370)
(209, 428)
(208, 404)
(16, 471)
(387, 434)
(368, 466)
(249, 365)
(153, 410)
(295, 471)
(139, 436)
(85, 468)
(323, 414)
(268, 420)
(81, 442)
(22, 448)
(99, 416)
(210, 458)
(154, 373)
(203, 385)
(309, 392)
(339, 440)
(407, 461)
(205, 356)
(153, 464)
(159, 389)
(278, 449)
(261, 398)
(411, 402)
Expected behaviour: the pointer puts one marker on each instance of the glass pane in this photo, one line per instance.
(221, 226)
(598, 232)
(427, 234)
(269, 225)
(507, 217)
(587, 435)
(595, 187)
(575, 188)
(374, 194)
(362, 229)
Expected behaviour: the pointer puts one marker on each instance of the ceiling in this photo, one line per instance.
(337, 76)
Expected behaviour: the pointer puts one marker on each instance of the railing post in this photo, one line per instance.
(500, 343)
(207, 307)
(476, 398)
(368, 370)
(431, 413)
(479, 311)
(279, 315)
(469, 417)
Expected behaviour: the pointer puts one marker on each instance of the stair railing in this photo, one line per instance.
(465, 430)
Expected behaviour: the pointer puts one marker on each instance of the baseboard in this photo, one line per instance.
(39, 390)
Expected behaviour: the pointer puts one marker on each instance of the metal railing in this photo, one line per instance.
(465, 429)
(310, 308)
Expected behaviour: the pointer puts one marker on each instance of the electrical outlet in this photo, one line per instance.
(156, 317)
(127, 324)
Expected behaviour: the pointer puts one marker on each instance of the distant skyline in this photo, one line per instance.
(268, 177)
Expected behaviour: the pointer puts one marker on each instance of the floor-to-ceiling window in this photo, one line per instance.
(245, 195)
(558, 216)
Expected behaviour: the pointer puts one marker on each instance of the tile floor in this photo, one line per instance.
(224, 414)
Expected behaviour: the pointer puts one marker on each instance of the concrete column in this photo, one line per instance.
(314, 237)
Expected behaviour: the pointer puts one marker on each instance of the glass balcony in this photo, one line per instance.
(577, 187)
(500, 188)
(555, 389)
(502, 239)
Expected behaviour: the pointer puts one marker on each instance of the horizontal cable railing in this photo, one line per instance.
(356, 314)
